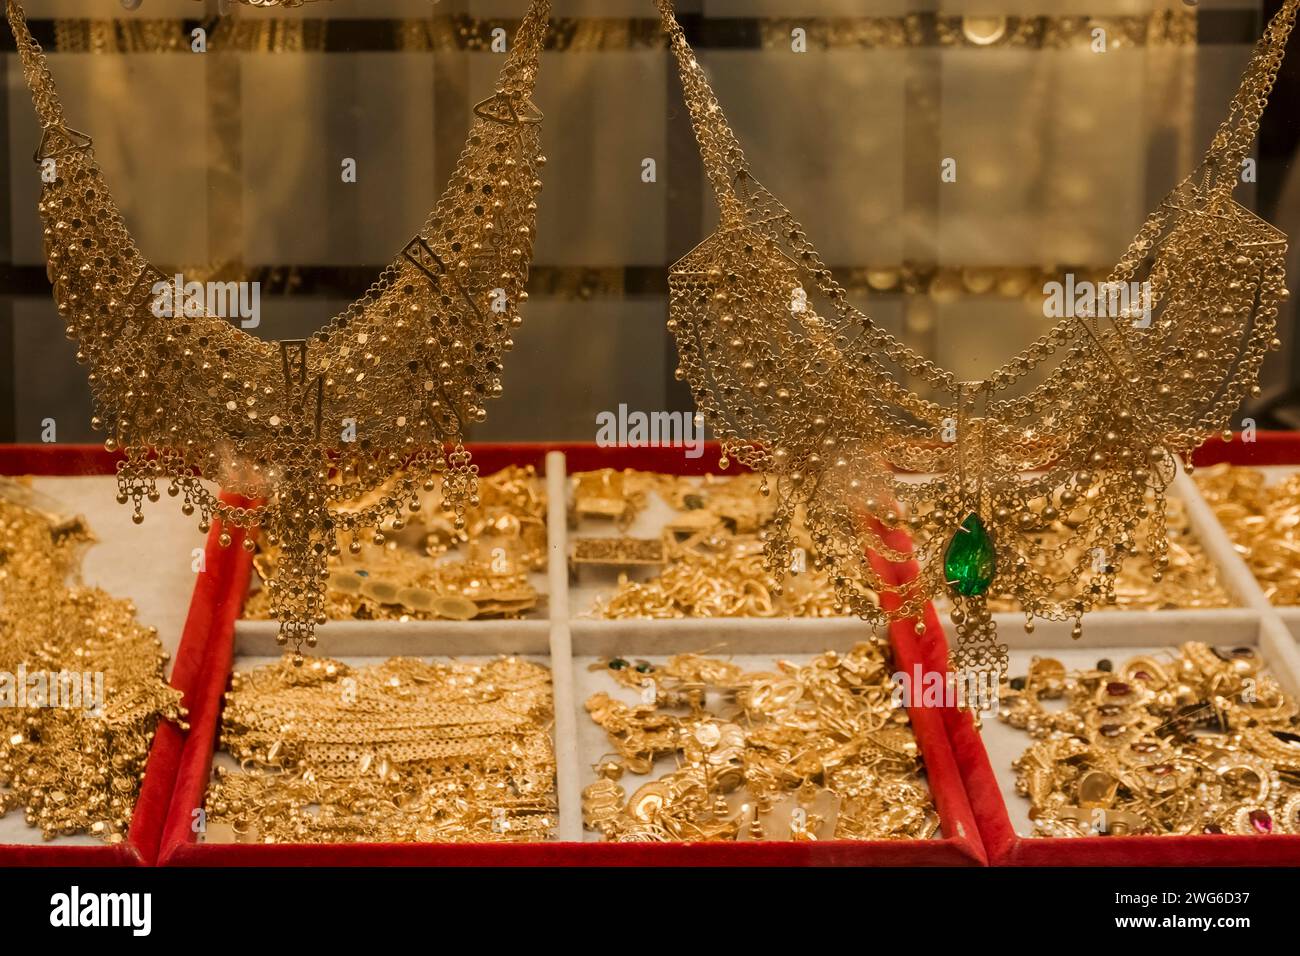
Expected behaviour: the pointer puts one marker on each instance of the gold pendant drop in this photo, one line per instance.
(977, 659)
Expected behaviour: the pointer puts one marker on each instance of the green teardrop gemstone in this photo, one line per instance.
(970, 562)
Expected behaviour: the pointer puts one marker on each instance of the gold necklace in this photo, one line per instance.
(391, 382)
(801, 385)
(1190, 580)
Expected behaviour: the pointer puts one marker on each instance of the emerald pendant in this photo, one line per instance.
(970, 562)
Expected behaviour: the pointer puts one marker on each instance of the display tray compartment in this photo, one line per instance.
(234, 641)
(140, 848)
(984, 755)
(1277, 455)
(568, 643)
(227, 650)
(345, 637)
(957, 843)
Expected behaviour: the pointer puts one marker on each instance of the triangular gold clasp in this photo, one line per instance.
(510, 109)
(299, 385)
(59, 140)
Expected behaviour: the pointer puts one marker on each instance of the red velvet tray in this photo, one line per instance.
(179, 766)
(180, 847)
(1006, 848)
(141, 846)
(1266, 448)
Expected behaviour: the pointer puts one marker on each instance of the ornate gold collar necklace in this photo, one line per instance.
(801, 385)
(391, 382)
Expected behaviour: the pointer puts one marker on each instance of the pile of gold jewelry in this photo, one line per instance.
(399, 752)
(1263, 522)
(426, 568)
(1189, 579)
(735, 501)
(1201, 742)
(719, 576)
(711, 550)
(811, 752)
(83, 684)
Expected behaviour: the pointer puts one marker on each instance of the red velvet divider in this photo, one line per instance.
(960, 845)
(929, 723)
(765, 853)
(213, 603)
(209, 660)
(585, 456)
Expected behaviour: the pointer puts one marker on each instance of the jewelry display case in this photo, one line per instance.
(701, 650)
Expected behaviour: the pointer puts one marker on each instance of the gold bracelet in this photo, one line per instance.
(397, 752)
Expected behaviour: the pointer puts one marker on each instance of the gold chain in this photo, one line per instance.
(392, 381)
(402, 751)
(800, 384)
(83, 684)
